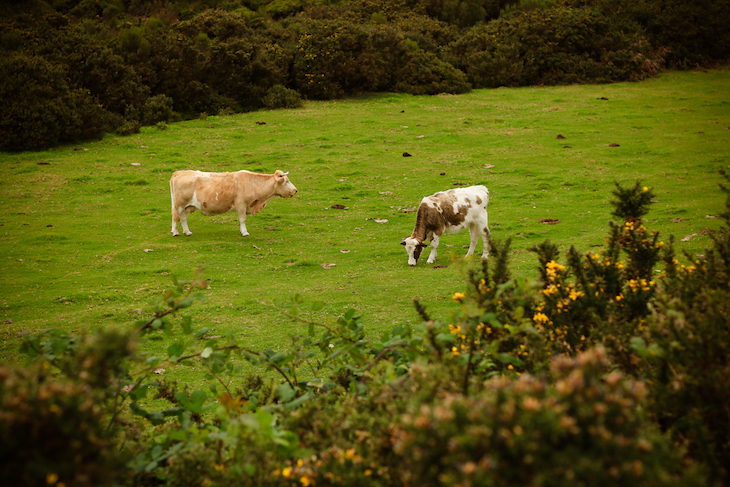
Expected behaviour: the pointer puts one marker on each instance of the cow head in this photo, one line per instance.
(284, 187)
(414, 249)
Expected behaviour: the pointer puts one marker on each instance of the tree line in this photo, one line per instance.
(74, 70)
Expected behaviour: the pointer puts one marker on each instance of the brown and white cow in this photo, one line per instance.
(450, 212)
(213, 193)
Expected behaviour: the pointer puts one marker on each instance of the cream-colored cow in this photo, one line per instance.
(213, 193)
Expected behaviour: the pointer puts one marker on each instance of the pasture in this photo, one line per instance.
(85, 229)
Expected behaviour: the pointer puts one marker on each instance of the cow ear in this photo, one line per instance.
(279, 175)
(422, 245)
(403, 242)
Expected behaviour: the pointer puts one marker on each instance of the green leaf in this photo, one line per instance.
(178, 435)
(285, 393)
(187, 324)
(278, 358)
(201, 332)
(317, 305)
(175, 351)
(445, 338)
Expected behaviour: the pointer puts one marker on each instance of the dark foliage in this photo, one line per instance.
(116, 65)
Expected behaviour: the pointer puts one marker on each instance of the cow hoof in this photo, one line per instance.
(175, 234)
(246, 234)
(188, 234)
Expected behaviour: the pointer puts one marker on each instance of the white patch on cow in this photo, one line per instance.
(411, 246)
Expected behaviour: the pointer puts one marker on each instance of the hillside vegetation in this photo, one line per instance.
(74, 70)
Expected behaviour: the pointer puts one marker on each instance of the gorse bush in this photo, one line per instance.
(553, 46)
(582, 428)
(111, 58)
(278, 96)
(592, 374)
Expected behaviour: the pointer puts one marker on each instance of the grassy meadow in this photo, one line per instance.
(85, 229)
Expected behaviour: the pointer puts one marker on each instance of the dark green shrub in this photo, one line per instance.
(158, 108)
(552, 46)
(336, 57)
(463, 13)
(279, 96)
(216, 24)
(687, 31)
(105, 75)
(430, 34)
(245, 68)
(423, 73)
(41, 109)
(128, 127)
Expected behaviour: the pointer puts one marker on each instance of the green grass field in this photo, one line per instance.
(85, 229)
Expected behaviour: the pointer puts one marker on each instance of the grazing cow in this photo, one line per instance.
(214, 193)
(449, 212)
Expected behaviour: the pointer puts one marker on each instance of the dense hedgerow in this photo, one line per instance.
(687, 31)
(553, 46)
(113, 61)
(592, 374)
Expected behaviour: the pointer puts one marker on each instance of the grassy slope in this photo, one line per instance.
(91, 266)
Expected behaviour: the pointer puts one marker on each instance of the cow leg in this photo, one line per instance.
(175, 219)
(175, 214)
(434, 246)
(242, 221)
(184, 221)
(474, 234)
(485, 239)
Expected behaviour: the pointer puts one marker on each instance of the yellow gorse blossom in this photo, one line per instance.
(540, 318)
(575, 294)
(550, 290)
(458, 297)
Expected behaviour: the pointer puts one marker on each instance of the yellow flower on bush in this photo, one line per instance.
(306, 481)
(540, 318)
(455, 329)
(645, 189)
(575, 294)
(458, 297)
(454, 351)
(51, 478)
(286, 472)
(550, 290)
